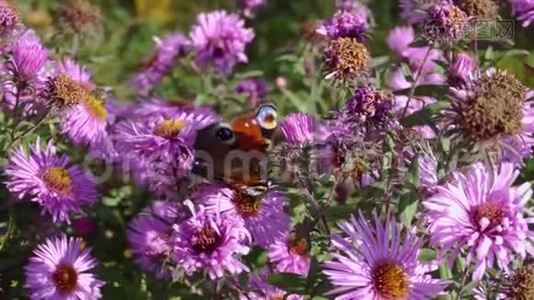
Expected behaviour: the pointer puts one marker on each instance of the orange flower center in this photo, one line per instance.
(390, 280)
(58, 179)
(491, 210)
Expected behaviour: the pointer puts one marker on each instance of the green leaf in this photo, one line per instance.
(111, 201)
(427, 255)
(515, 52)
(289, 282)
(408, 207)
(425, 115)
(297, 102)
(413, 172)
(339, 212)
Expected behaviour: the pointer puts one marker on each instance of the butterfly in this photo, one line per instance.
(236, 152)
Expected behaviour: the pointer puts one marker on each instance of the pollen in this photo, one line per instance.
(520, 285)
(480, 9)
(205, 240)
(95, 106)
(390, 280)
(246, 205)
(64, 91)
(491, 210)
(347, 58)
(58, 179)
(65, 278)
(169, 128)
(496, 110)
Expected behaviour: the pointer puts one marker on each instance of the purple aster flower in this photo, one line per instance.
(368, 102)
(47, 179)
(210, 243)
(461, 70)
(254, 88)
(445, 22)
(481, 214)
(198, 117)
(144, 111)
(220, 38)
(250, 7)
(262, 214)
(480, 117)
(86, 123)
(345, 25)
(160, 63)
(86, 118)
(29, 55)
(81, 74)
(168, 211)
(261, 289)
(400, 38)
(290, 255)
(163, 146)
(523, 10)
(371, 263)
(24, 74)
(355, 7)
(299, 128)
(60, 269)
(148, 236)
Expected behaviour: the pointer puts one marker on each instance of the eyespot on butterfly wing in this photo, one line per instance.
(236, 152)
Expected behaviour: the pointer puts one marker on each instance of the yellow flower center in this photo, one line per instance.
(65, 278)
(58, 179)
(169, 128)
(66, 92)
(95, 106)
(390, 280)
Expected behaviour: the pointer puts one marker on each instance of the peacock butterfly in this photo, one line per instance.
(236, 152)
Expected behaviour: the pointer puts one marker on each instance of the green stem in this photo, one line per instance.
(416, 79)
(29, 130)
